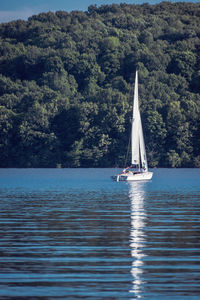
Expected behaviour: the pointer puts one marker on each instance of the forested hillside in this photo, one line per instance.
(66, 81)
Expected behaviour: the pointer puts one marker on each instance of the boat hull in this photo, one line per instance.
(133, 176)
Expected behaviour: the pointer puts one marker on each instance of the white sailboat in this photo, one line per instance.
(139, 167)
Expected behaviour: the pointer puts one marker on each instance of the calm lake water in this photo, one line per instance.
(76, 234)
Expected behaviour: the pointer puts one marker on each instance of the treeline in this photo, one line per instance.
(66, 81)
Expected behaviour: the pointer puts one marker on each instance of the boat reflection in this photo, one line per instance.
(137, 235)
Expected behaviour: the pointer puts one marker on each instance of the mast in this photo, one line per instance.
(135, 128)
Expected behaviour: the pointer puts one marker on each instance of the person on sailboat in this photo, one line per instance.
(124, 171)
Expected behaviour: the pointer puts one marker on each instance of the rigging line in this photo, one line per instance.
(127, 152)
(130, 96)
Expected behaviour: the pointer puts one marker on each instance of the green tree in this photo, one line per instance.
(66, 81)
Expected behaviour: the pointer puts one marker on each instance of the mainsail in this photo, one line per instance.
(137, 140)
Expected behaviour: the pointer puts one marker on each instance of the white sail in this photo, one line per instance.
(135, 126)
(137, 139)
(142, 149)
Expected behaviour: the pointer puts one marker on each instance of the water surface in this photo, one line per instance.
(76, 234)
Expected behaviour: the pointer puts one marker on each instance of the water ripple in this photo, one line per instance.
(98, 240)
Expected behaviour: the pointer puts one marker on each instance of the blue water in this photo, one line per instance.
(76, 234)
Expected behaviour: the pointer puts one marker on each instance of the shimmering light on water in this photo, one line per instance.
(73, 233)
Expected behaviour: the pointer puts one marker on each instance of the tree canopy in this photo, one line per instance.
(66, 82)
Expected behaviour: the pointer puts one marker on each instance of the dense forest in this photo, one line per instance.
(66, 81)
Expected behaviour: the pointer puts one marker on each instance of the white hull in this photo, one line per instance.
(133, 176)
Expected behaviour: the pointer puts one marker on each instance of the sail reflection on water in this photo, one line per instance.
(137, 235)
